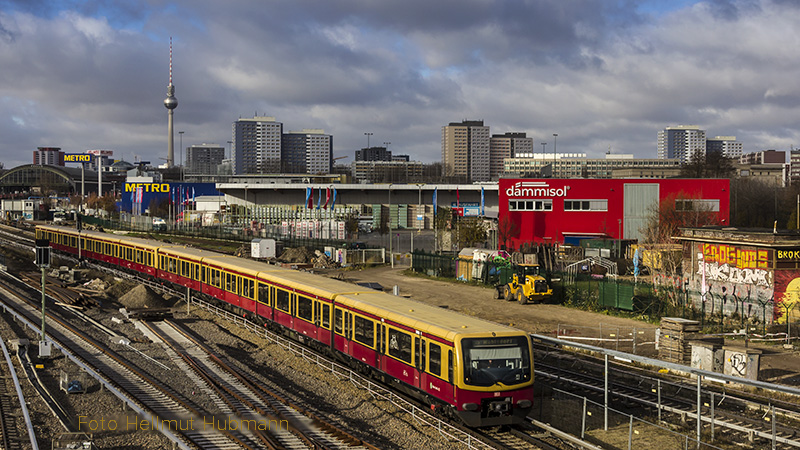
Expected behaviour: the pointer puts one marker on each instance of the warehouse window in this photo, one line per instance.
(530, 205)
(400, 345)
(364, 331)
(585, 205)
(711, 205)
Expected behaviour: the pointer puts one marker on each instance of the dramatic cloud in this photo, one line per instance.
(603, 75)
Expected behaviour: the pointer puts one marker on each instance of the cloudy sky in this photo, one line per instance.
(602, 74)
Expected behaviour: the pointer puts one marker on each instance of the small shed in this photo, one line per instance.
(742, 362)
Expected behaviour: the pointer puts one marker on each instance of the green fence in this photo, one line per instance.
(223, 232)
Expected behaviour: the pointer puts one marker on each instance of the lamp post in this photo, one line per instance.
(180, 133)
(389, 223)
(386, 144)
(619, 239)
(544, 145)
(555, 142)
(368, 135)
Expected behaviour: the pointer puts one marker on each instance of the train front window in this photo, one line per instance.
(490, 361)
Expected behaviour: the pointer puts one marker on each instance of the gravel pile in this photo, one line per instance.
(297, 255)
(142, 296)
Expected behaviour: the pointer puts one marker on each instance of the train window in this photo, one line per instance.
(305, 308)
(420, 356)
(230, 282)
(399, 344)
(171, 265)
(435, 359)
(450, 365)
(337, 320)
(203, 274)
(263, 293)
(247, 287)
(216, 280)
(149, 260)
(282, 300)
(364, 330)
(326, 316)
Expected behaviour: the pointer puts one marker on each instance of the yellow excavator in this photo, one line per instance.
(524, 283)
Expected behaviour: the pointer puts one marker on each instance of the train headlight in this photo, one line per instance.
(524, 403)
(470, 406)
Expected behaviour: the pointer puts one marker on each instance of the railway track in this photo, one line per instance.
(722, 412)
(11, 439)
(249, 402)
(164, 409)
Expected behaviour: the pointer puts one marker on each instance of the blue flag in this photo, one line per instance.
(435, 192)
(333, 202)
(308, 197)
(319, 198)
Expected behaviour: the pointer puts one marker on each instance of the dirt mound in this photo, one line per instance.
(142, 296)
(298, 255)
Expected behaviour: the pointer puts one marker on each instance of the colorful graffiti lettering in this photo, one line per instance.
(736, 257)
(724, 272)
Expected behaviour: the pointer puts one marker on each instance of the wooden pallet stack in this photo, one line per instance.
(674, 342)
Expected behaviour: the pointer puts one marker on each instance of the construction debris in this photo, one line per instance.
(297, 255)
(323, 261)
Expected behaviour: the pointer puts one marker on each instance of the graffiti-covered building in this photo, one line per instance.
(750, 273)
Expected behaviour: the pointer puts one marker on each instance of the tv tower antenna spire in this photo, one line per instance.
(170, 103)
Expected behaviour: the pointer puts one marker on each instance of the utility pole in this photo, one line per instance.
(43, 261)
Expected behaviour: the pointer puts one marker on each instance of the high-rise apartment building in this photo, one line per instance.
(257, 146)
(374, 154)
(465, 150)
(794, 166)
(309, 151)
(727, 145)
(48, 156)
(508, 145)
(203, 159)
(681, 142)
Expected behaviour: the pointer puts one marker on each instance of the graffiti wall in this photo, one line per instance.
(787, 295)
(738, 281)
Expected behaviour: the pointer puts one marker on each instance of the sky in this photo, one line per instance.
(605, 75)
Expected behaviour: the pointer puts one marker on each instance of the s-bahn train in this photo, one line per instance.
(459, 365)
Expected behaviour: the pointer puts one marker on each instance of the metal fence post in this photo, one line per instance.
(583, 420)
(659, 401)
(774, 427)
(699, 419)
(630, 434)
(605, 394)
(712, 416)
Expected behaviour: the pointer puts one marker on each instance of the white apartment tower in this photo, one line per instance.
(257, 146)
(465, 150)
(727, 145)
(681, 142)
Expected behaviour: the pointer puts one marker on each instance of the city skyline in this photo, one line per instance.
(83, 75)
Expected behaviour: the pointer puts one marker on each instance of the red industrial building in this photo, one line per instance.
(567, 210)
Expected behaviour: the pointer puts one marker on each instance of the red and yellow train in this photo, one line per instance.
(462, 366)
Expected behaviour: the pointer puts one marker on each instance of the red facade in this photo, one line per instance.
(565, 210)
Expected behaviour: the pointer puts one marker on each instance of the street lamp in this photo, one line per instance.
(390, 223)
(368, 135)
(180, 133)
(555, 142)
(544, 144)
(387, 145)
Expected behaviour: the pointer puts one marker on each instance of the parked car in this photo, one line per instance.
(159, 224)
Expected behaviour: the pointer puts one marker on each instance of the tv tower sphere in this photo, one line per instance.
(171, 102)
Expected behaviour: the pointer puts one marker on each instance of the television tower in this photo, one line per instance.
(171, 103)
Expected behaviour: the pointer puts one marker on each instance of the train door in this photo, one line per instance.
(381, 347)
(419, 358)
(348, 332)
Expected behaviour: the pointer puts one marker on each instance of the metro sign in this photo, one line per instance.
(77, 157)
(532, 189)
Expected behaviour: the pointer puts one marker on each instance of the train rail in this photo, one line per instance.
(247, 400)
(156, 403)
(11, 438)
(722, 412)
